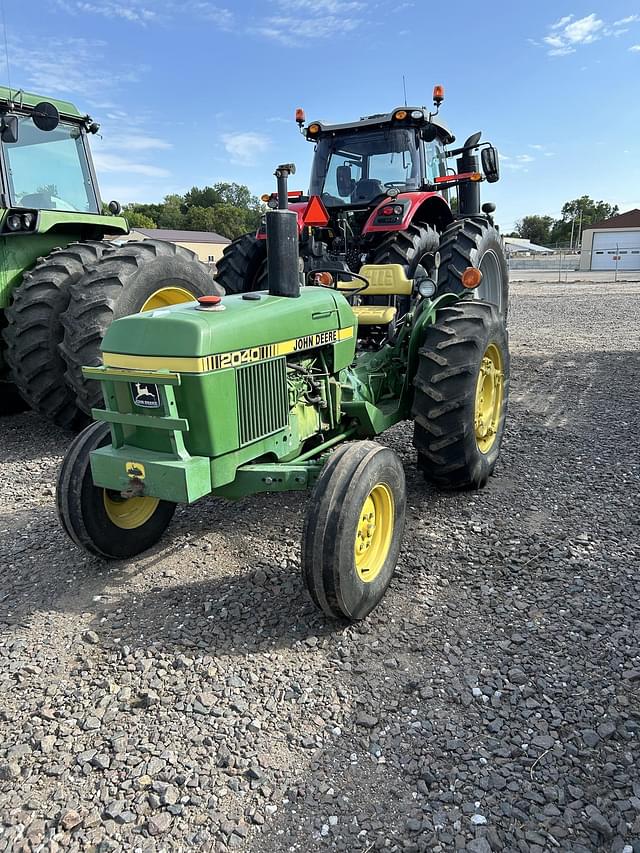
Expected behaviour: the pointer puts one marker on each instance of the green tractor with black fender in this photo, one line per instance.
(284, 389)
(63, 279)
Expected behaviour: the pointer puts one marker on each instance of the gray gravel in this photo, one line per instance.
(194, 699)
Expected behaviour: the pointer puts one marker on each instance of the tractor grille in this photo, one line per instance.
(263, 402)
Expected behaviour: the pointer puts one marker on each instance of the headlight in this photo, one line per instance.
(427, 288)
(14, 222)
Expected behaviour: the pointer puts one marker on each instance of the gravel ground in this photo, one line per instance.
(194, 699)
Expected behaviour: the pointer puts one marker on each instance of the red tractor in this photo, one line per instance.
(380, 194)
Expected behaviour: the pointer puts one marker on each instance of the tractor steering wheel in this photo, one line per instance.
(334, 285)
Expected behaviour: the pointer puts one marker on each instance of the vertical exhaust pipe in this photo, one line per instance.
(282, 241)
(469, 192)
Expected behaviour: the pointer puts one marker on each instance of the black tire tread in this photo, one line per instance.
(93, 305)
(444, 395)
(34, 330)
(459, 249)
(242, 266)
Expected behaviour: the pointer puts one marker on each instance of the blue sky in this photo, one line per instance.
(190, 92)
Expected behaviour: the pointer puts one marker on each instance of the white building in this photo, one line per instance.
(612, 243)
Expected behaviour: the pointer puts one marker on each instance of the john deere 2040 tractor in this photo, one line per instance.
(61, 281)
(284, 389)
(381, 190)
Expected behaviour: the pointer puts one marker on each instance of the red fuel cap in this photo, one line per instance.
(209, 300)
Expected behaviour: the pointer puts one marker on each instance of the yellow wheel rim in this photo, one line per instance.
(374, 533)
(489, 398)
(165, 296)
(128, 513)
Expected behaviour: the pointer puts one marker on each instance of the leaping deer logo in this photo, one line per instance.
(145, 395)
(143, 391)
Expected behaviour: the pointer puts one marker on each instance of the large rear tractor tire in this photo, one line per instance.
(138, 276)
(408, 247)
(243, 265)
(34, 331)
(353, 530)
(98, 520)
(461, 394)
(475, 243)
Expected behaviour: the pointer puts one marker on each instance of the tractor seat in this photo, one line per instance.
(384, 280)
(375, 315)
(366, 190)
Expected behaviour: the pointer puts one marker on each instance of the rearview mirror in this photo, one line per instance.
(429, 132)
(490, 164)
(9, 128)
(344, 181)
(45, 116)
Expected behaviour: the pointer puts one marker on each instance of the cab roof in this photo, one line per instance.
(385, 120)
(27, 100)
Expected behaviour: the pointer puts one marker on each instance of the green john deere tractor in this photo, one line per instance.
(61, 280)
(284, 389)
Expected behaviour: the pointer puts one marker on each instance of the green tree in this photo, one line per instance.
(578, 215)
(536, 229)
(137, 219)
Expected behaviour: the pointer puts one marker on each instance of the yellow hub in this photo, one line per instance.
(128, 513)
(374, 533)
(489, 398)
(166, 296)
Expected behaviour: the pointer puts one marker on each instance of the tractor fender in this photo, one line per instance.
(298, 207)
(427, 206)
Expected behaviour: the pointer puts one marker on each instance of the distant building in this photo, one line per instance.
(520, 246)
(612, 243)
(207, 245)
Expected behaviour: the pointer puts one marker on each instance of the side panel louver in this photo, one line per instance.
(263, 403)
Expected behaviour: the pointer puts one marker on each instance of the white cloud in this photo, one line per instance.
(66, 67)
(635, 48)
(537, 147)
(561, 23)
(105, 162)
(140, 142)
(133, 11)
(569, 33)
(244, 148)
(584, 30)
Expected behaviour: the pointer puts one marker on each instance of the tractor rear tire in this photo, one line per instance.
(461, 394)
(134, 277)
(408, 247)
(353, 530)
(475, 243)
(101, 521)
(243, 265)
(34, 331)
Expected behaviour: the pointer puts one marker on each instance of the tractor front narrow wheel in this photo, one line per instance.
(138, 276)
(475, 242)
(243, 265)
(461, 393)
(34, 331)
(99, 520)
(353, 529)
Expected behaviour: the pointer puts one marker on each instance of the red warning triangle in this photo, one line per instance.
(315, 213)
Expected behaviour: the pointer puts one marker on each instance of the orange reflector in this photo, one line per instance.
(265, 197)
(315, 212)
(438, 94)
(324, 278)
(209, 300)
(313, 128)
(471, 278)
(400, 114)
(475, 176)
(300, 115)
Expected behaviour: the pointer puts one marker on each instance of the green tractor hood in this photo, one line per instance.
(241, 329)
